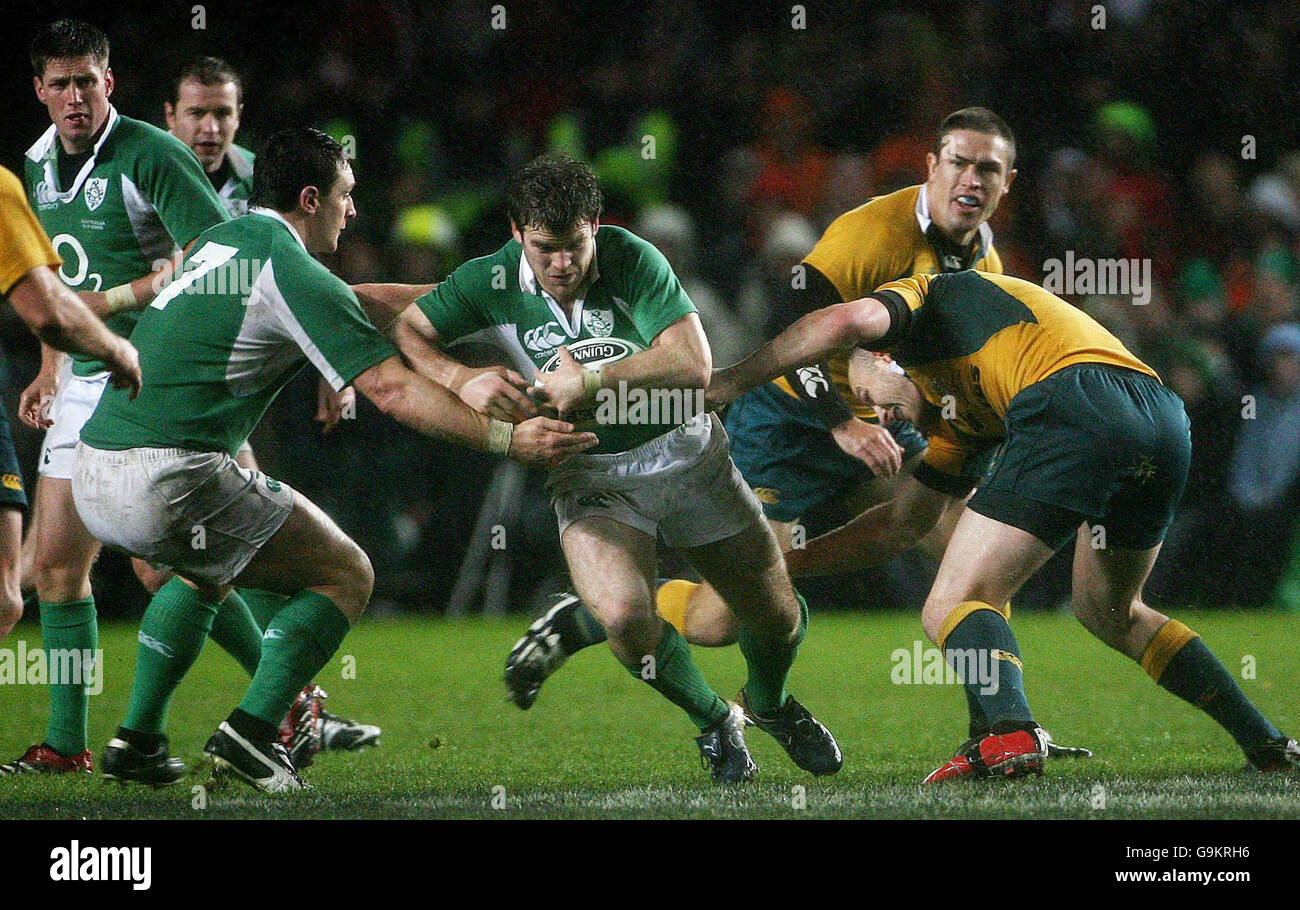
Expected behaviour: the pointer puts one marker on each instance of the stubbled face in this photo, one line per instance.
(876, 383)
(967, 180)
(561, 261)
(206, 118)
(75, 91)
(327, 213)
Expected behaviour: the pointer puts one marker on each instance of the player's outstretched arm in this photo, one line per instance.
(874, 537)
(433, 410)
(62, 321)
(813, 338)
(495, 391)
(383, 303)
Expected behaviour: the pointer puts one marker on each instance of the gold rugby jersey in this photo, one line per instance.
(972, 340)
(887, 238)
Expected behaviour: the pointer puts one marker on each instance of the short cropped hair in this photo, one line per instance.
(207, 71)
(290, 160)
(66, 38)
(979, 120)
(555, 193)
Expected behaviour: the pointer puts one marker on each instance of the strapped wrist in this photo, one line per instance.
(119, 298)
(591, 382)
(499, 436)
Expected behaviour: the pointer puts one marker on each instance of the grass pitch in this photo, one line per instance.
(600, 744)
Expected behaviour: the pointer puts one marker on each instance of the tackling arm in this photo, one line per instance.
(63, 322)
(811, 339)
(433, 410)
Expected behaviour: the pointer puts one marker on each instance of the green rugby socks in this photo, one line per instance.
(769, 663)
(1181, 663)
(69, 631)
(175, 625)
(674, 676)
(263, 605)
(236, 631)
(299, 641)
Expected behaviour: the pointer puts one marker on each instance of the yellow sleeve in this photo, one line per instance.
(23, 245)
(912, 290)
(860, 251)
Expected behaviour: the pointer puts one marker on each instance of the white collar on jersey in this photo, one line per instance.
(923, 219)
(43, 150)
(272, 213)
(529, 284)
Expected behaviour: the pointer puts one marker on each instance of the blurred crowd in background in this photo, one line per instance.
(730, 134)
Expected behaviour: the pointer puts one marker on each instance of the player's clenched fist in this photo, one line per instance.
(566, 387)
(123, 363)
(544, 443)
(722, 390)
(500, 394)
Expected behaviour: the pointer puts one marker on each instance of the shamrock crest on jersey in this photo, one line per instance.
(96, 192)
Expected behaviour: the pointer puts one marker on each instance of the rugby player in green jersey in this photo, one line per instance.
(59, 318)
(595, 318)
(117, 198)
(156, 477)
(207, 101)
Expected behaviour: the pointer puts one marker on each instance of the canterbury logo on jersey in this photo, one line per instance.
(813, 380)
(544, 337)
(46, 194)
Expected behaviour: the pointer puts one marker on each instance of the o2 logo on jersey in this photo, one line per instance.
(96, 191)
(594, 352)
(600, 323)
(544, 337)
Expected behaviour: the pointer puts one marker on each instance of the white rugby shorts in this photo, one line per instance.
(199, 513)
(681, 486)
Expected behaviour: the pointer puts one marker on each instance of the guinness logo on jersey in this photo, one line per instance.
(599, 323)
(96, 190)
(594, 352)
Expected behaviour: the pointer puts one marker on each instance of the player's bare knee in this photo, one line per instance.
(356, 582)
(932, 616)
(11, 608)
(626, 621)
(1105, 618)
(151, 578)
(59, 578)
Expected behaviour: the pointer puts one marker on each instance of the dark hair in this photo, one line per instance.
(979, 120)
(207, 71)
(554, 192)
(290, 160)
(67, 38)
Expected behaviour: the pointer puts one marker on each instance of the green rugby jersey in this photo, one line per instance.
(634, 296)
(238, 187)
(248, 310)
(140, 197)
